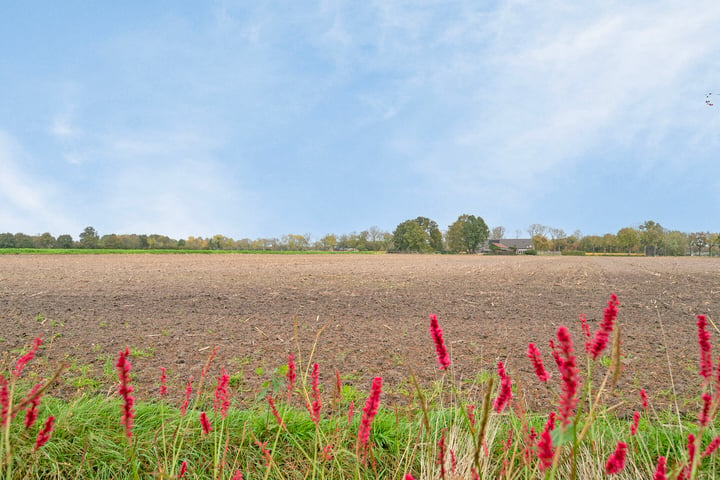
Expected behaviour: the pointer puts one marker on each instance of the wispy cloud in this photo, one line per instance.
(28, 203)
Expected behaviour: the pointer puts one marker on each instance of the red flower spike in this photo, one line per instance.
(238, 475)
(274, 410)
(4, 400)
(183, 470)
(712, 446)
(586, 331)
(369, 411)
(703, 418)
(644, 399)
(221, 401)
(436, 333)
(602, 335)
(31, 412)
(533, 354)
(441, 454)
(470, 410)
(705, 349)
(205, 423)
(616, 461)
(545, 450)
(290, 375)
(505, 394)
(22, 361)
(660, 473)
(636, 422)
(186, 400)
(44, 435)
(315, 406)
(125, 390)
(267, 456)
(163, 380)
(569, 377)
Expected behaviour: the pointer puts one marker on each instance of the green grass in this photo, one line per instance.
(104, 251)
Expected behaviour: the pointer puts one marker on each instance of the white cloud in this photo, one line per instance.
(62, 127)
(28, 203)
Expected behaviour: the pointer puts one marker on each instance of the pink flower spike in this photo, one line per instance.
(315, 406)
(125, 390)
(533, 354)
(183, 469)
(505, 394)
(290, 375)
(22, 361)
(436, 333)
(470, 410)
(44, 435)
(274, 410)
(705, 349)
(660, 470)
(712, 446)
(31, 412)
(205, 423)
(569, 376)
(636, 422)
(369, 411)
(616, 461)
(602, 335)
(186, 401)
(163, 380)
(545, 450)
(644, 399)
(238, 475)
(4, 400)
(586, 331)
(221, 402)
(409, 477)
(704, 418)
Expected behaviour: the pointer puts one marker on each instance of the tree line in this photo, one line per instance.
(468, 234)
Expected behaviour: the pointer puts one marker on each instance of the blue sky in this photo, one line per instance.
(258, 119)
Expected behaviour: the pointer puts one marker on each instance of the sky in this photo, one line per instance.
(260, 119)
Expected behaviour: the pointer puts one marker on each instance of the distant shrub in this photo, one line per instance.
(531, 252)
(577, 253)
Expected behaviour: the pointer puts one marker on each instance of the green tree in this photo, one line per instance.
(46, 240)
(23, 241)
(651, 237)
(89, 238)
(675, 243)
(409, 236)
(328, 242)
(628, 239)
(7, 240)
(467, 233)
(434, 236)
(64, 241)
(111, 241)
(540, 243)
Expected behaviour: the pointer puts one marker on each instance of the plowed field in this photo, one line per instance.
(172, 309)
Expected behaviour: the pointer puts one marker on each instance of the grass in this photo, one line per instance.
(451, 430)
(102, 251)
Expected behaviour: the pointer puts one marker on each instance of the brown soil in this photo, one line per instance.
(172, 310)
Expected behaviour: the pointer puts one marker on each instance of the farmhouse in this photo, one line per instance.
(518, 245)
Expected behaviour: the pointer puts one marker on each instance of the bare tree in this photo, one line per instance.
(556, 233)
(536, 229)
(497, 233)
